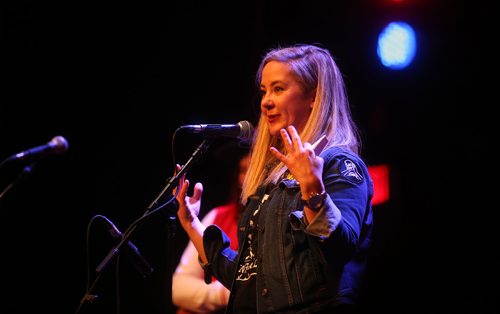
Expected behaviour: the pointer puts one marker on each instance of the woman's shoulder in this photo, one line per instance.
(338, 152)
(209, 217)
(345, 163)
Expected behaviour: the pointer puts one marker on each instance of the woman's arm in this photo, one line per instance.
(189, 290)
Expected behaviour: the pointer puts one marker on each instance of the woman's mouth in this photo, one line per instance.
(272, 118)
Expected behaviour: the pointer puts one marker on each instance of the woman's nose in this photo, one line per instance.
(267, 105)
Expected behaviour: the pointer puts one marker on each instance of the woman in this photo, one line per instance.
(305, 231)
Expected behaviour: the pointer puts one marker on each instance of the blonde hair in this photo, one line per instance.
(316, 70)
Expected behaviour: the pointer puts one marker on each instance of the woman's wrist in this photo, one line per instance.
(315, 201)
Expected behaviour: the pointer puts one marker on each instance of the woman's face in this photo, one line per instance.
(284, 101)
(243, 167)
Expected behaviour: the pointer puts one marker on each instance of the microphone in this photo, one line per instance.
(132, 251)
(242, 130)
(57, 145)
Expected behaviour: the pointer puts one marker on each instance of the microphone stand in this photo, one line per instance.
(27, 170)
(202, 148)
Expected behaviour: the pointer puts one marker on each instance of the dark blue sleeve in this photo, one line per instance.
(221, 258)
(350, 187)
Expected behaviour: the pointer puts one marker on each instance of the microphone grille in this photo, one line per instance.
(59, 144)
(246, 130)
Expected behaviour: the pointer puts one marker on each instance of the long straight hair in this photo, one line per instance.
(331, 115)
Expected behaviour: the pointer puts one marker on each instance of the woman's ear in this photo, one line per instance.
(313, 98)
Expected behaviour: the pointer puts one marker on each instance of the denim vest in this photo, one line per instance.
(304, 266)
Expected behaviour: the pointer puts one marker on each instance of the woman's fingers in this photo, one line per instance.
(184, 187)
(296, 142)
(279, 155)
(181, 180)
(286, 140)
(197, 192)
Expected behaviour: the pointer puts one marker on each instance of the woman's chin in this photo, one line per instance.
(274, 131)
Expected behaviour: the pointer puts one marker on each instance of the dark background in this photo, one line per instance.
(116, 79)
